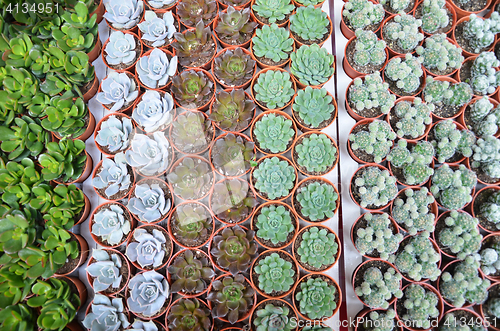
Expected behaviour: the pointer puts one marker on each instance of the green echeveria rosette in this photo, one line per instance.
(315, 200)
(273, 89)
(273, 178)
(275, 225)
(316, 297)
(312, 65)
(316, 154)
(313, 108)
(273, 132)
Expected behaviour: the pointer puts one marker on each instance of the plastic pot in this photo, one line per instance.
(454, 167)
(208, 64)
(85, 211)
(219, 171)
(464, 13)
(349, 149)
(262, 65)
(240, 7)
(133, 29)
(98, 128)
(356, 225)
(93, 87)
(298, 4)
(296, 205)
(277, 113)
(86, 134)
(220, 54)
(83, 247)
(303, 170)
(87, 170)
(99, 11)
(164, 186)
(392, 52)
(120, 195)
(93, 54)
(402, 181)
(452, 82)
(141, 316)
(126, 109)
(299, 43)
(379, 208)
(187, 26)
(401, 247)
(388, 119)
(162, 88)
(205, 106)
(465, 121)
(203, 306)
(452, 73)
(473, 317)
(351, 111)
(207, 145)
(303, 127)
(224, 44)
(198, 159)
(363, 316)
(433, 207)
(179, 241)
(161, 10)
(461, 20)
(76, 284)
(458, 78)
(254, 81)
(131, 67)
(449, 8)
(475, 211)
(124, 262)
(162, 128)
(348, 32)
(491, 321)
(168, 42)
(127, 215)
(168, 245)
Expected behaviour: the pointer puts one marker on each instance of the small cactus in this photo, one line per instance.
(453, 188)
(406, 74)
(377, 141)
(404, 32)
(369, 50)
(439, 55)
(412, 119)
(377, 236)
(415, 163)
(360, 14)
(412, 211)
(371, 92)
(460, 234)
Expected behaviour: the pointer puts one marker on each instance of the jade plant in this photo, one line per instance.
(58, 244)
(274, 88)
(192, 89)
(450, 141)
(453, 188)
(377, 237)
(440, 55)
(273, 318)
(148, 249)
(114, 134)
(193, 47)
(190, 12)
(149, 155)
(396, 5)
(380, 321)
(65, 160)
(484, 79)
(113, 176)
(65, 117)
(272, 43)
(413, 210)
(191, 132)
(148, 293)
(318, 248)
(489, 259)
(235, 26)
(191, 178)
(190, 273)
(484, 118)
(273, 12)
(274, 177)
(232, 111)
(17, 231)
(118, 90)
(403, 31)
(16, 280)
(123, 15)
(309, 24)
(420, 305)
(378, 288)
(149, 203)
(234, 249)
(156, 69)
(189, 314)
(361, 14)
(17, 180)
(487, 156)
(232, 200)
(417, 258)
(275, 274)
(106, 312)
(376, 187)
(120, 49)
(376, 141)
(414, 161)
(191, 223)
(274, 133)
(369, 51)
(316, 153)
(110, 224)
(26, 138)
(105, 270)
(315, 298)
(480, 33)
(370, 93)
(66, 206)
(157, 31)
(234, 68)
(464, 284)
(274, 223)
(17, 317)
(314, 107)
(312, 65)
(412, 118)
(232, 298)
(318, 201)
(434, 16)
(232, 155)
(154, 111)
(460, 234)
(405, 74)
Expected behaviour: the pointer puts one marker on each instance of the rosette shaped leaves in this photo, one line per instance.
(191, 132)
(191, 222)
(190, 273)
(149, 203)
(148, 293)
(192, 11)
(235, 25)
(110, 224)
(124, 14)
(231, 155)
(274, 133)
(318, 202)
(154, 111)
(232, 111)
(191, 179)
(114, 133)
(232, 298)
(274, 88)
(147, 249)
(312, 65)
(275, 274)
(234, 68)
(274, 223)
(155, 69)
(194, 46)
(105, 270)
(149, 156)
(314, 106)
(159, 4)
(274, 177)
(120, 49)
(273, 318)
(155, 30)
(140, 325)
(318, 248)
(188, 315)
(106, 314)
(114, 175)
(234, 249)
(273, 11)
(316, 298)
(309, 23)
(316, 153)
(117, 89)
(272, 42)
(232, 200)
(192, 89)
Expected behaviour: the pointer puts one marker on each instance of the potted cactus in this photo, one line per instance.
(191, 178)
(415, 210)
(191, 225)
(451, 142)
(475, 34)
(150, 201)
(467, 7)
(149, 247)
(275, 225)
(448, 96)
(316, 248)
(114, 133)
(453, 195)
(273, 132)
(437, 16)
(190, 12)
(234, 67)
(157, 29)
(232, 110)
(193, 89)
(234, 27)
(272, 89)
(484, 162)
(396, 6)
(315, 154)
(380, 319)
(195, 47)
(316, 297)
(273, 178)
(315, 199)
(402, 33)
(436, 45)
(154, 111)
(271, 46)
(362, 187)
(370, 141)
(313, 109)
(405, 75)
(111, 224)
(108, 271)
(485, 207)
(364, 54)
(191, 132)
(310, 25)
(121, 51)
(480, 116)
(489, 309)
(489, 257)
(113, 178)
(266, 12)
(457, 317)
(479, 72)
(411, 118)
(411, 164)
(118, 91)
(361, 14)
(156, 68)
(232, 154)
(311, 66)
(232, 201)
(189, 314)
(273, 313)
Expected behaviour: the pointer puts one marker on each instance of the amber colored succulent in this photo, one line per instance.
(231, 155)
(192, 11)
(190, 274)
(234, 68)
(232, 200)
(194, 46)
(192, 89)
(232, 111)
(235, 25)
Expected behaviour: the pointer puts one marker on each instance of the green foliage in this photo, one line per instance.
(413, 211)
(314, 106)
(309, 23)
(274, 177)
(193, 45)
(369, 50)
(272, 42)
(414, 161)
(484, 79)
(234, 68)
(316, 153)
(490, 209)
(275, 11)
(190, 314)
(17, 230)
(404, 31)
(74, 66)
(405, 73)
(274, 89)
(232, 111)
(460, 234)
(371, 92)
(453, 188)
(17, 317)
(438, 53)
(25, 138)
(312, 65)
(66, 117)
(377, 237)
(442, 92)
(64, 160)
(378, 288)
(377, 141)
(434, 16)
(363, 13)
(57, 242)
(274, 223)
(316, 298)
(274, 132)
(421, 306)
(485, 119)
(376, 187)
(273, 318)
(487, 155)
(275, 274)
(16, 181)
(318, 201)
(449, 141)
(318, 248)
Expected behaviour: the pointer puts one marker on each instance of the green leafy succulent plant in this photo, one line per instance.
(316, 153)
(190, 273)
(273, 11)
(273, 43)
(318, 201)
(17, 230)
(274, 177)
(376, 238)
(191, 132)
(310, 24)
(66, 117)
(273, 318)
(64, 160)
(232, 154)
(192, 89)
(312, 65)
(318, 248)
(16, 181)
(313, 106)
(376, 141)
(58, 242)
(235, 26)
(274, 88)
(274, 133)
(274, 223)
(275, 274)
(17, 317)
(189, 314)
(194, 46)
(67, 204)
(234, 68)
(232, 111)
(190, 223)
(377, 288)
(460, 234)
(25, 138)
(316, 298)
(232, 200)
(453, 188)
(191, 178)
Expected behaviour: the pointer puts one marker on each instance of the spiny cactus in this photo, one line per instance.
(396, 5)
(379, 321)
(489, 258)
(413, 212)
(442, 92)
(479, 32)
(487, 156)
(440, 55)
(484, 79)
(360, 14)
(403, 31)
(460, 234)
(370, 92)
(452, 321)
(414, 161)
(421, 305)
(449, 141)
(412, 118)
(376, 187)
(377, 237)
(377, 141)
(453, 188)
(369, 50)
(405, 74)
(434, 15)
(490, 209)
(378, 288)
(485, 119)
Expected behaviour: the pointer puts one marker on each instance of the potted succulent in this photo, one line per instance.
(370, 318)
(273, 178)
(234, 27)
(437, 16)
(266, 12)
(488, 257)
(315, 154)
(193, 89)
(108, 271)
(370, 141)
(271, 46)
(69, 207)
(111, 224)
(479, 116)
(123, 16)
(233, 67)
(149, 247)
(273, 313)
(113, 178)
(316, 296)
(19, 315)
(377, 283)
(485, 206)
(273, 132)
(364, 190)
(315, 199)
(310, 25)
(106, 311)
(68, 250)
(479, 72)
(195, 48)
(415, 210)
(26, 138)
(157, 29)
(155, 69)
(191, 132)
(454, 195)
(275, 225)
(191, 178)
(190, 12)
(411, 164)
(191, 225)
(113, 133)
(232, 110)
(361, 14)
(455, 318)
(411, 118)
(489, 309)
(189, 314)
(364, 54)
(395, 6)
(402, 33)
(467, 7)
(231, 154)
(376, 235)
(313, 109)
(150, 155)
(154, 111)
(274, 274)
(272, 89)
(448, 96)
(405, 75)
(121, 51)
(232, 201)
(316, 248)
(319, 63)
(147, 295)
(475, 34)
(237, 4)
(436, 45)
(451, 142)
(484, 162)
(161, 6)
(150, 201)
(118, 91)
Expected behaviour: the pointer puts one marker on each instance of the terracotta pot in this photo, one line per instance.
(169, 245)
(349, 149)
(392, 52)
(444, 250)
(449, 8)
(187, 26)
(454, 167)
(168, 42)
(301, 85)
(267, 244)
(380, 208)
(457, 77)
(474, 209)
(199, 158)
(401, 247)
(262, 23)
(464, 13)
(173, 233)
(363, 316)
(220, 54)
(128, 108)
(282, 158)
(296, 205)
(219, 171)
(296, 246)
(367, 264)
(487, 242)
(240, 7)
(247, 97)
(161, 10)
(490, 321)
(77, 284)
(98, 128)
(304, 170)
(221, 41)
(127, 264)
(99, 12)
(298, 4)
(292, 314)
(267, 66)
(323, 125)
(85, 135)
(348, 32)
(130, 68)
(210, 243)
(433, 207)
(207, 104)
(459, 127)
(208, 64)
(125, 238)
(254, 277)
(133, 29)
(277, 113)
(83, 247)
(324, 277)
(87, 170)
(254, 81)
(299, 44)
(427, 126)
(462, 19)
(161, 183)
(468, 125)
(172, 141)
(452, 73)
(440, 305)
(121, 196)
(93, 54)
(351, 111)
(413, 94)
(158, 88)
(94, 86)
(203, 305)
(162, 174)
(139, 128)
(85, 211)
(410, 11)
(159, 314)
(403, 182)
(74, 326)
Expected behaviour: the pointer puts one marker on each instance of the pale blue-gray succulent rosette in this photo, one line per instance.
(149, 203)
(114, 133)
(120, 48)
(157, 4)
(123, 14)
(139, 325)
(117, 89)
(149, 155)
(148, 292)
(113, 176)
(106, 314)
(105, 270)
(154, 111)
(147, 249)
(110, 224)
(157, 31)
(155, 69)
